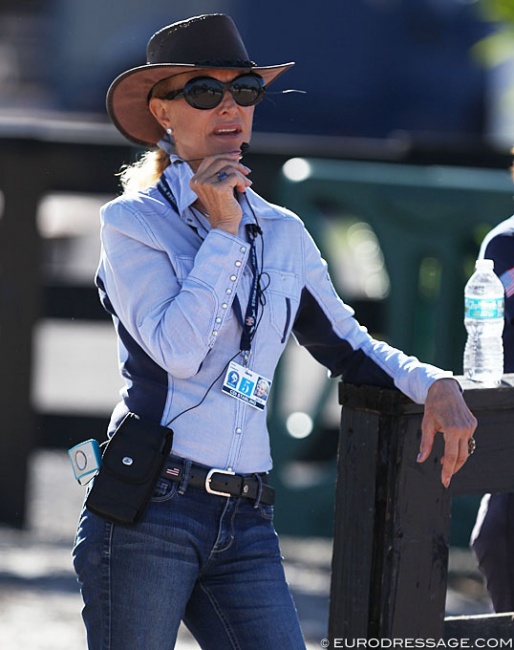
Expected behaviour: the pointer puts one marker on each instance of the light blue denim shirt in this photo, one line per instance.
(170, 282)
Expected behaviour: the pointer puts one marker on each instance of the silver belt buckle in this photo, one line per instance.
(208, 479)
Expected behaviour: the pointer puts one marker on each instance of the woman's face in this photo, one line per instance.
(202, 133)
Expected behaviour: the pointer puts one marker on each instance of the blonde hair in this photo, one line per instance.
(144, 172)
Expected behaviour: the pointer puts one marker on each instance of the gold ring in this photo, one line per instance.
(472, 445)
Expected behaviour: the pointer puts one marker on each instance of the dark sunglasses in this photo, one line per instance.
(205, 93)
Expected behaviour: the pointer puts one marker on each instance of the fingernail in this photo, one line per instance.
(420, 456)
(446, 482)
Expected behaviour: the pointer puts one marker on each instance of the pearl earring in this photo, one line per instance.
(169, 130)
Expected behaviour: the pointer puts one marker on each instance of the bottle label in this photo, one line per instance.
(483, 308)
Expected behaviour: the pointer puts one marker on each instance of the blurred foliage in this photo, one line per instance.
(498, 47)
(497, 10)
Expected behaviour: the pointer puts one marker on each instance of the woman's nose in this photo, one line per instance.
(227, 102)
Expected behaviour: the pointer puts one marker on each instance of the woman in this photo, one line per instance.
(205, 281)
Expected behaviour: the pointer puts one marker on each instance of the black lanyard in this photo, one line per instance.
(251, 319)
(250, 322)
(165, 190)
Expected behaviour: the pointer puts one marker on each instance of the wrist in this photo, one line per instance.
(231, 228)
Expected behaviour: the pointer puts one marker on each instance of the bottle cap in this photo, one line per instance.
(484, 265)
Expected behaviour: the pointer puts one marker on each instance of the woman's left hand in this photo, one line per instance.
(447, 412)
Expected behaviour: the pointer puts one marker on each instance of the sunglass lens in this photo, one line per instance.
(203, 93)
(247, 90)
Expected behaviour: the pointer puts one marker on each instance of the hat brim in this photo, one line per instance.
(127, 97)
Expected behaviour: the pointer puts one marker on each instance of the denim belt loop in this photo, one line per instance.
(186, 475)
(259, 491)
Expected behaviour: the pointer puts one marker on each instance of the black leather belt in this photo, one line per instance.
(221, 482)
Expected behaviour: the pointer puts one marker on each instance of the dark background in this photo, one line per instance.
(371, 68)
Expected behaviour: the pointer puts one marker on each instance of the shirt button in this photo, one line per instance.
(228, 292)
(239, 430)
(224, 305)
(242, 249)
(215, 333)
(218, 320)
(233, 278)
(238, 263)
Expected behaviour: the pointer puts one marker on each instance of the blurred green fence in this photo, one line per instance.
(429, 222)
(419, 229)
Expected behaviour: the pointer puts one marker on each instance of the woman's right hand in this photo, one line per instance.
(217, 182)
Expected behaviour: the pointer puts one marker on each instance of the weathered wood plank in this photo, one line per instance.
(404, 574)
(489, 626)
(354, 522)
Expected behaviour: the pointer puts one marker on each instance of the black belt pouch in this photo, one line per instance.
(131, 465)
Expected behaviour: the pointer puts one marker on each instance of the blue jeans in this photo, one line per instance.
(213, 562)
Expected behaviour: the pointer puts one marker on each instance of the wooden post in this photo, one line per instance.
(29, 168)
(392, 517)
(21, 185)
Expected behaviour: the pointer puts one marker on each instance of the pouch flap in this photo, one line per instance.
(136, 449)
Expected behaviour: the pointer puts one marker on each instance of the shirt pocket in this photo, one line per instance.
(284, 299)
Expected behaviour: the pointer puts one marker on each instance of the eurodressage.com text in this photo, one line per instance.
(490, 643)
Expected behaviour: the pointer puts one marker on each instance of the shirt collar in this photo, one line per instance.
(179, 175)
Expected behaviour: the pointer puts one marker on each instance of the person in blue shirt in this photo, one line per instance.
(203, 279)
(492, 539)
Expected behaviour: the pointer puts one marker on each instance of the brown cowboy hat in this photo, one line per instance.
(202, 42)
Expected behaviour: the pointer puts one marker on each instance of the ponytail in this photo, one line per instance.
(144, 172)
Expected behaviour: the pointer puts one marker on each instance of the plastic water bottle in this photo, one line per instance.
(483, 318)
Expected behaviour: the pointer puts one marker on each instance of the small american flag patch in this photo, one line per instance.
(507, 279)
(173, 471)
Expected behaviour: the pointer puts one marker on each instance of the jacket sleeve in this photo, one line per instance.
(174, 320)
(326, 326)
